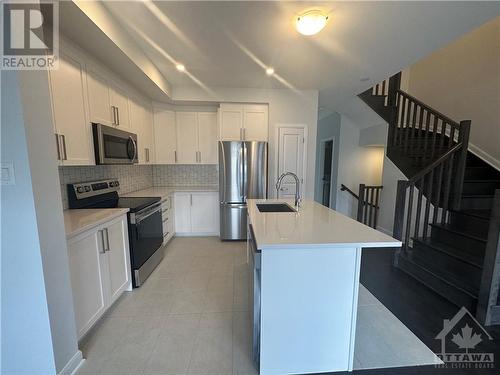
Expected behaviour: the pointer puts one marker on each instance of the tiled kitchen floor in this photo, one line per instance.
(190, 317)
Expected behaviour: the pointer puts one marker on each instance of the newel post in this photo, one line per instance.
(463, 138)
(361, 202)
(394, 85)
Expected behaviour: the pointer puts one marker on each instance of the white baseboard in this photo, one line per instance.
(487, 158)
(73, 364)
(209, 234)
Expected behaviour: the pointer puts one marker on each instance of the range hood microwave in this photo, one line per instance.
(114, 146)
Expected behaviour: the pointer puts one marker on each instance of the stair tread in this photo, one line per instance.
(475, 180)
(482, 214)
(446, 278)
(478, 196)
(451, 251)
(449, 228)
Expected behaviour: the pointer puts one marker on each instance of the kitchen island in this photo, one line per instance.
(304, 269)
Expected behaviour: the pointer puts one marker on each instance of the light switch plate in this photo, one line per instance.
(8, 177)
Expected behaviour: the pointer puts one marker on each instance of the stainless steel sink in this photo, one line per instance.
(274, 207)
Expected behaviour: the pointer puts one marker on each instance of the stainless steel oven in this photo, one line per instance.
(146, 238)
(114, 146)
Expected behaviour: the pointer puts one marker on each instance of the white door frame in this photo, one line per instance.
(276, 155)
(319, 178)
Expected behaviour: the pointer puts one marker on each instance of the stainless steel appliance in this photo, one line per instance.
(145, 227)
(114, 146)
(242, 175)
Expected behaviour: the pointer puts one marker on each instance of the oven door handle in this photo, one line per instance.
(138, 218)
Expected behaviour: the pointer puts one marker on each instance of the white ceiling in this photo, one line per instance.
(214, 40)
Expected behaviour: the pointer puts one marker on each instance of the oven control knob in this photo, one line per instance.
(79, 189)
(87, 189)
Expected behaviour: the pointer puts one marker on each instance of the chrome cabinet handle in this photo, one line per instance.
(241, 134)
(63, 139)
(200, 155)
(58, 147)
(117, 116)
(146, 151)
(113, 109)
(107, 240)
(244, 134)
(191, 198)
(102, 242)
(175, 156)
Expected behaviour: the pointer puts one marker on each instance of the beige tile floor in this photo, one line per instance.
(191, 317)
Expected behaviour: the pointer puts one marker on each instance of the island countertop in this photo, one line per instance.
(313, 225)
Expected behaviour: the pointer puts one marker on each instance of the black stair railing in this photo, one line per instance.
(368, 203)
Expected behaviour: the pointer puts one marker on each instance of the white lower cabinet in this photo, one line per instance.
(196, 213)
(168, 218)
(99, 263)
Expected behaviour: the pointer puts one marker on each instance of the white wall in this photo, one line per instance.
(26, 340)
(462, 80)
(357, 165)
(286, 108)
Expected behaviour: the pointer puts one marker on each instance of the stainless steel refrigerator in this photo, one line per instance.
(242, 175)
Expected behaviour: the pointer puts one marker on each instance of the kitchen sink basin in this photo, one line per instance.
(274, 207)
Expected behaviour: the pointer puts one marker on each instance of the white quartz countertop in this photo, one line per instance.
(165, 191)
(80, 220)
(313, 225)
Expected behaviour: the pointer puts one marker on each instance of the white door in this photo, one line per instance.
(70, 116)
(87, 264)
(120, 101)
(165, 137)
(137, 118)
(255, 122)
(187, 137)
(204, 213)
(182, 202)
(116, 236)
(147, 133)
(231, 122)
(99, 97)
(291, 159)
(207, 137)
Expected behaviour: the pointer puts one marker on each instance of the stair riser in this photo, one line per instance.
(437, 260)
(471, 224)
(476, 203)
(447, 291)
(466, 244)
(480, 188)
(479, 174)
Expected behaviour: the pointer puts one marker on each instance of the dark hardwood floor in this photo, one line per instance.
(419, 308)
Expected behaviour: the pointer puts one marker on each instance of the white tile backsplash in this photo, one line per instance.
(137, 177)
(185, 175)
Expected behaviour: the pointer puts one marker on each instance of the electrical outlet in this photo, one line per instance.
(8, 177)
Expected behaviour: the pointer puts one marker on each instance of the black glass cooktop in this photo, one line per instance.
(136, 204)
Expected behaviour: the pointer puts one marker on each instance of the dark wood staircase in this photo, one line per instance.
(446, 212)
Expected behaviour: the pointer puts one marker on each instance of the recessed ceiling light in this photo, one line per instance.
(269, 71)
(180, 67)
(311, 22)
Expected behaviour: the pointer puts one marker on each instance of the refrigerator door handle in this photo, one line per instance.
(239, 180)
(244, 169)
(223, 158)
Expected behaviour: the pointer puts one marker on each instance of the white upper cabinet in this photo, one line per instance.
(142, 124)
(187, 137)
(165, 137)
(243, 122)
(255, 122)
(231, 122)
(72, 128)
(119, 107)
(207, 137)
(99, 97)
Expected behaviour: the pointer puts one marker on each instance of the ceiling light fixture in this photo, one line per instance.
(269, 71)
(180, 67)
(311, 22)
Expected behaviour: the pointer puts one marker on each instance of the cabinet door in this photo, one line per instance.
(87, 264)
(204, 213)
(137, 122)
(99, 97)
(69, 107)
(120, 101)
(116, 236)
(231, 122)
(255, 122)
(182, 202)
(147, 134)
(165, 137)
(187, 137)
(207, 137)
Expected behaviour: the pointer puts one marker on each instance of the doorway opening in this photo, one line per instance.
(326, 178)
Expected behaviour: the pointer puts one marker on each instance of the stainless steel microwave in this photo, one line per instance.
(114, 146)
